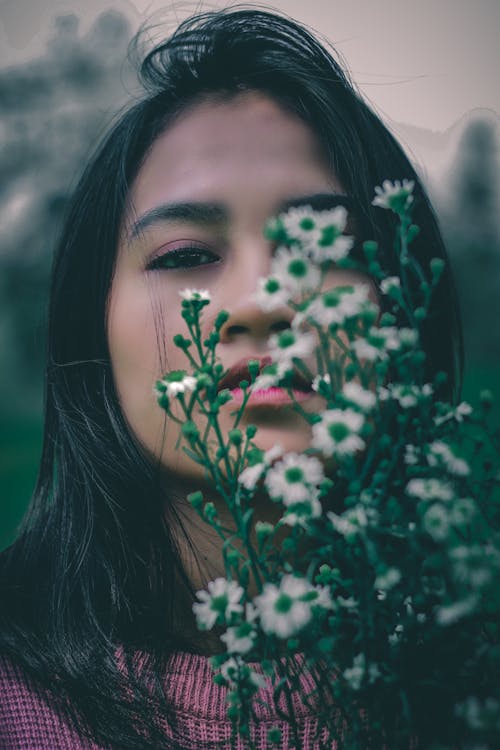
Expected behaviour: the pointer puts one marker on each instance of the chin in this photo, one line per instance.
(292, 441)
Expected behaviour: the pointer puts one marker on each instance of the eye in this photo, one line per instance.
(189, 256)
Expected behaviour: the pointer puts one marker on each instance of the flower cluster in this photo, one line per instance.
(377, 576)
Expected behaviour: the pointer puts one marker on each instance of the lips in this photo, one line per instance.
(240, 371)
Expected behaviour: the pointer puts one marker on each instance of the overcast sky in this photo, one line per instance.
(423, 62)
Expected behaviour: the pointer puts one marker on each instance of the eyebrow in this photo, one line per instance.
(200, 213)
(210, 213)
(317, 201)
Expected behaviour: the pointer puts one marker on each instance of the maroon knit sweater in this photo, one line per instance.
(29, 719)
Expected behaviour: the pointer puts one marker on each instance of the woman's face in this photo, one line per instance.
(206, 188)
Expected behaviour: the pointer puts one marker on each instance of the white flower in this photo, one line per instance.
(332, 217)
(352, 520)
(364, 350)
(388, 579)
(359, 396)
(347, 603)
(299, 514)
(234, 670)
(462, 511)
(285, 609)
(195, 294)
(337, 433)
(473, 565)
(294, 479)
(318, 380)
(380, 341)
(338, 304)
(220, 602)
(408, 336)
(354, 675)
(396, 196)
(440, 451)
(251, 475)
(407, 396)
(395, 637)
(310, 227)
(462, 410)
(271, 293)
(294, 271)
(429, 489)
(300, 224)
(239, 639)
(177, 382)
(390, 335)
(389, 284)
(283, 347)
(273, 375)
(337, 250)
(436, 521)
(411, 455)
(450, 613)
(272, 454)
(342, 524)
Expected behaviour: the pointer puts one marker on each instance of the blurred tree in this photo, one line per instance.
(471, 224)
(52, 112)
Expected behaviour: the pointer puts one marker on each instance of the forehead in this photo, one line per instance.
(232, 145)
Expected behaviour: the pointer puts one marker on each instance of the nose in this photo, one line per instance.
(247, 321)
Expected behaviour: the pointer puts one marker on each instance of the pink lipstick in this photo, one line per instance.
(273, 396)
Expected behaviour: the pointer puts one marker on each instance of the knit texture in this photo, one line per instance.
(29, 719)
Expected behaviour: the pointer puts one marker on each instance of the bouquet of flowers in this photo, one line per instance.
(373, 597)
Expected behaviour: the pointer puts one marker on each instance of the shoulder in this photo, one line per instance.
(29, 715)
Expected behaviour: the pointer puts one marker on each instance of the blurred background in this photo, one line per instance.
(428, 69)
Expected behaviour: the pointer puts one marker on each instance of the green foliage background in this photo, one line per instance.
(52, 112)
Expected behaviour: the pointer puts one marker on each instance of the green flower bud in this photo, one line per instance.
(370, 248)
(233, 712)
(325, 486)
(289, 545)
(437, 268)
(235, 437)
(223, 397)
(274, 735)
(190, 431)
(486, 398)
(413, 231)
(350, 370)
(440, 378)
(181, 342)
(232, 557)
(160, 386)
(221, 318)
(387, 319)
(420, 313)
(263, 529)
(212, 340)
(253, 368)
(163, 401)
(251, 431)
(195, 499)
(210, 511)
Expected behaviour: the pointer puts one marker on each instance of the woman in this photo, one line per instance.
(244, 114)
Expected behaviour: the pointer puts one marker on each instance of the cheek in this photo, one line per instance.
(140, 348)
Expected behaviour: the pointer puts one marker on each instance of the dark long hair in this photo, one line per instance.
(95, 568)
